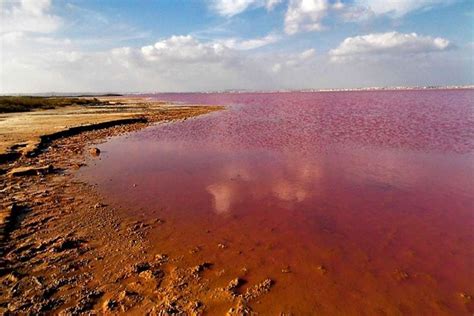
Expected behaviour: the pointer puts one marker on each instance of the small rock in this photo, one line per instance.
(201, 267)
(94, 151)
(322, 269)
(235, 283)
(465, 296)
(12, 277)
(258, 290)
(240, 309)
(67, 244)
(140, 267)
(110, 305)
(401, 275)
(286, 269)
(30, 171)
(222, 246)
(161, 257)
(195, 250)
(147, 275)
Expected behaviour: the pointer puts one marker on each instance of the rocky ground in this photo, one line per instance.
(64, 251)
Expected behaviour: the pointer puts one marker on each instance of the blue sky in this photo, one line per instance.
(202, 45)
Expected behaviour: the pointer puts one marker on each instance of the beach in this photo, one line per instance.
(63, 249)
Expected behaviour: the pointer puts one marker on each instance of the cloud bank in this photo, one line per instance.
(28, 16)
(391, 44)
(38, 59)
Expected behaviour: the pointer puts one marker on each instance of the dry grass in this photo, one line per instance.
(10, 104)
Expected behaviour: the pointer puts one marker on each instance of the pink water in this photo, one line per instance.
(367, 197)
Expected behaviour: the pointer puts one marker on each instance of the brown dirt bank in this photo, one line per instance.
(64, 251)
(21, 133)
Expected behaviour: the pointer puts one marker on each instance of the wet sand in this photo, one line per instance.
(65, 251)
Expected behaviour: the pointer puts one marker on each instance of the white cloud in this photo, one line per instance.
(391, 44)
(184, 49)
(176, 63)
(249, 43)
(398, 8)
(308, 15)
(233, 7)
(37, 58)
(270, 4)
(28, 16)
(184, 63)
(305, 15)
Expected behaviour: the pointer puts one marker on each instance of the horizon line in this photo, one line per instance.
(117, 93)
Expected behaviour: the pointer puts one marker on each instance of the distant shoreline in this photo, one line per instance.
(119, 94)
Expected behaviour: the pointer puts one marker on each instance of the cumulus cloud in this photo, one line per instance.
(184, 49)
(28, 16)
(184, 63)
(42, 59)
(305, 15)
(233, 7)
(308, 15)
(387, 44)
(398, 8)
(172, 64)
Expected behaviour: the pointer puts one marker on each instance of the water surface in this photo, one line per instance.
(366, 198)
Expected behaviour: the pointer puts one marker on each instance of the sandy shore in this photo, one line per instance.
(22, 133)
(64, 251)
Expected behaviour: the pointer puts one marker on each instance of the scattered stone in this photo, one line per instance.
(322, 269)
(242, 309)
(67, 244)
(147, 275)
(161, 258)
(195, 250)
(47, 305)
(110, 305)
(401, 275)
(201, 267)
(221, 246)
(12, 277)
(234, 284)
(127, 299)
(30, 171)
(140, 267)
(94, 151)
(86, 302)
(465, 296)
(258, 290)
(158, 221)
(286, 269)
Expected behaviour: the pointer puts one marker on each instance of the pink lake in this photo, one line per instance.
(365, 198)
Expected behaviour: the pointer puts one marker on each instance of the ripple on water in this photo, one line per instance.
(364, 199)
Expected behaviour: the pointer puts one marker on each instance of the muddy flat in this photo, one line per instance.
(21, 132)
(62, 248)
